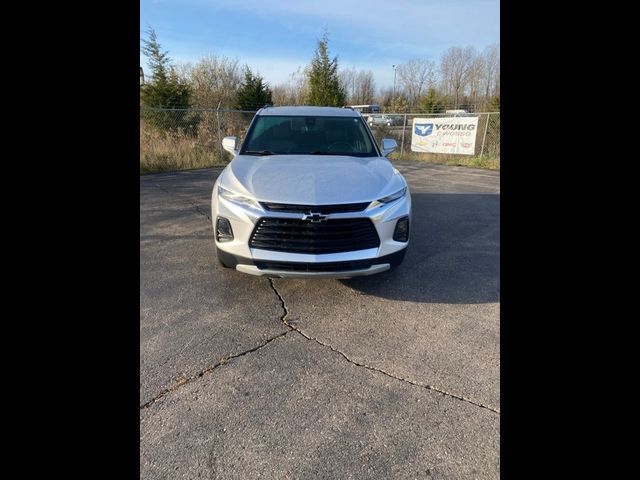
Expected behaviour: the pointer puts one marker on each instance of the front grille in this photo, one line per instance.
(302, 236)
(323, 209)
(315, 267)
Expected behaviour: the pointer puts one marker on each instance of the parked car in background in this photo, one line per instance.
(457, 113)
(388, 120)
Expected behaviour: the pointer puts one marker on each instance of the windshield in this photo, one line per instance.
(308, 135)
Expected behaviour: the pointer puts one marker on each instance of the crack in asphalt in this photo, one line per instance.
(283, 319)
(195, 205)
(185, 381)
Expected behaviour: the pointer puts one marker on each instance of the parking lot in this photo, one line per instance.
(390, 376)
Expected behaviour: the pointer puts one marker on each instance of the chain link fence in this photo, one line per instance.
(400, 128)
(174, 139)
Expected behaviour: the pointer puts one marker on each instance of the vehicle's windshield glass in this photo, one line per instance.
(308, 135)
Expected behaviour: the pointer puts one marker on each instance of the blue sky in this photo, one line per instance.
(275, 37)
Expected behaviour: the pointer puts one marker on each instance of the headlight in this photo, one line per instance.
(389, 198)
(394, 196)
(237, 199)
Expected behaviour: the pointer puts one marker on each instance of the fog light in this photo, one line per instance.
(401, 233)
(224, 233)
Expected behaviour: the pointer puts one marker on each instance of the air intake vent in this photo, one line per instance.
(315, 267)
(301, 236)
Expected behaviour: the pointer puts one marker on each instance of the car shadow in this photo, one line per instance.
(453, 254)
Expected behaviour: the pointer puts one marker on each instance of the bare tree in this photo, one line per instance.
(347, 78)
(280, 95)
(385, 97)
(365, 88)
(292, 92)
(214, 81)
(492, 70)
(359, 86)
(416, 76)
(455, 68)
(476, 79)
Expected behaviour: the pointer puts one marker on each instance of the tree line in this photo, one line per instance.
(462, 78)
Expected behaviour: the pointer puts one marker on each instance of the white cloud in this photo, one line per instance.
(389, 32)
(274, 70)
(415, 24)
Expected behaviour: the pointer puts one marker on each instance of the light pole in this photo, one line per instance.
(394, 83)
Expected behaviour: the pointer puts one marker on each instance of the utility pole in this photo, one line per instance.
(394, 83)
(353, 89)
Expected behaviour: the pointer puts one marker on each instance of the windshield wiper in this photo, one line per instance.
(341, 154)
(321, 152)
(259, 152)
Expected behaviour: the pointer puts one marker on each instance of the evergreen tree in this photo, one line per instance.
(324, 84)
(253, 93)
(164, 90)
(158, 60)
(494, 106)
(400, 104)
(430, 103)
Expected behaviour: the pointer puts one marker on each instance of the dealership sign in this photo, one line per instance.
(445, 135)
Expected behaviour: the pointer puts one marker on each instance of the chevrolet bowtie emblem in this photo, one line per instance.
(314, 217)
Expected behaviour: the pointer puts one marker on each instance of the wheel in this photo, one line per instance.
(223, 259)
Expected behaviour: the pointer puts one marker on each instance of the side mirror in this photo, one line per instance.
(388, 146)
(229, 144)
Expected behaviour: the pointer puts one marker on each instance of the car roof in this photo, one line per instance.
(309, 111)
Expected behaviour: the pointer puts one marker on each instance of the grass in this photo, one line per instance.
(159, 162)
(160, 152)
(487, 162)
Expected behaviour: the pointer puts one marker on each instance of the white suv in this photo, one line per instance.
(310, 194)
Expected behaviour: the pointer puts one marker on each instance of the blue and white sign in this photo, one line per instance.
(454, 135)
(423, 129)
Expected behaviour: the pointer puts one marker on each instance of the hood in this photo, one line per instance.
(314, 179)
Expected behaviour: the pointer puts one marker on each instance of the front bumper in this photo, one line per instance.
(313, 270)
(256, 261)
(253, 270)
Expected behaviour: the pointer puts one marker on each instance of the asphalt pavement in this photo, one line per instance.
(390, 376)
